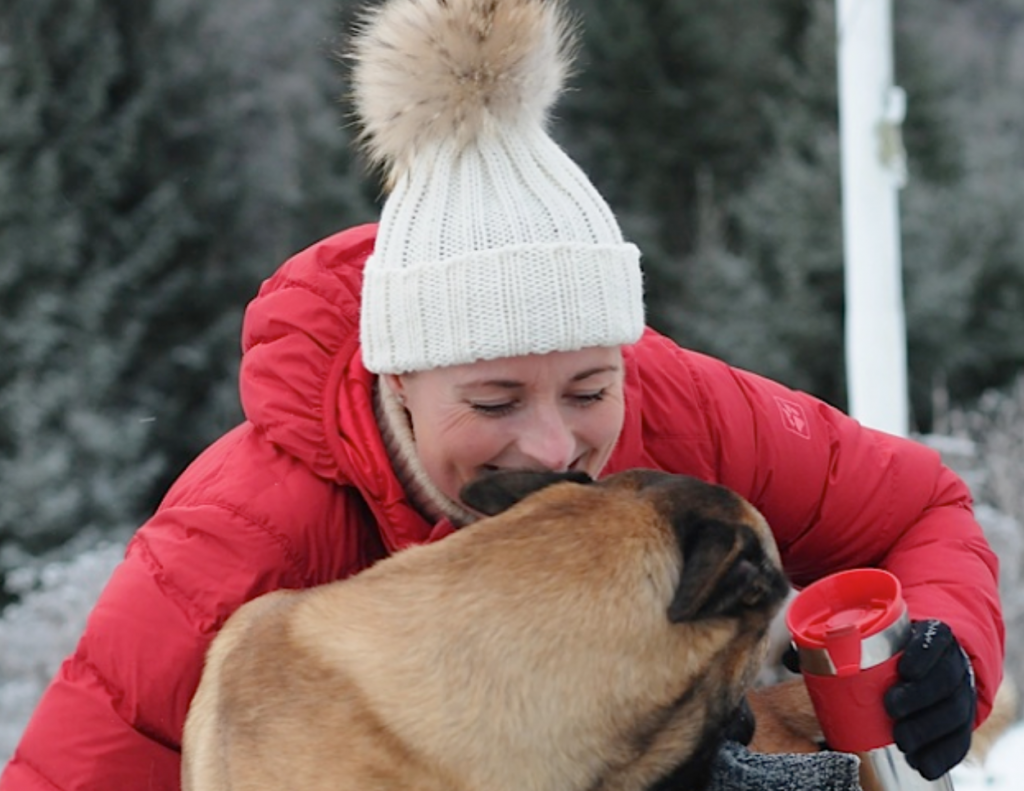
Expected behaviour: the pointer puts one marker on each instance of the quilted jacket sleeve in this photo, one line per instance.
(837, 494)
(113, 716)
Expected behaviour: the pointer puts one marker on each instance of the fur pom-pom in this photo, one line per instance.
(432, 70)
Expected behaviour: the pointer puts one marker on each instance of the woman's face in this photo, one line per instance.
(559, 411)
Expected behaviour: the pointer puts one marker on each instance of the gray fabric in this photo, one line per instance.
(738, 769)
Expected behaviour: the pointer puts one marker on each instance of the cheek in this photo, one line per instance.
(452, 451)
(602, 425)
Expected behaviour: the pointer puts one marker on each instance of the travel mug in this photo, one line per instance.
(849, 630)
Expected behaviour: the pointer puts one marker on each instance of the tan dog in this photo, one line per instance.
(591, 637)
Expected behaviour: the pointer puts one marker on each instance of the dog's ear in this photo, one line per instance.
(494, 492)
(725, 570)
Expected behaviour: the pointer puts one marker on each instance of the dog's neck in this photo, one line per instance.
(400, 442)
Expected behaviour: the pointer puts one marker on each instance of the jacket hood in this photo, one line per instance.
(303, 385)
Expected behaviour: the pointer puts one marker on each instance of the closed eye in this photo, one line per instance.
(508, 407)
(585, 399)
(495, 410)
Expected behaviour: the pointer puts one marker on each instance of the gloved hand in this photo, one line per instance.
(934, 702)
(791, 658)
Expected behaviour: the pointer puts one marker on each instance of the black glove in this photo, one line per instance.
(791, 658)
(934, 701)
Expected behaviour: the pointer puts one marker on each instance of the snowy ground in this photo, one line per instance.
(1003, 769)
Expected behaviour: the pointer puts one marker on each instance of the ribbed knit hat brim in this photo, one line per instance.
(493, 242)
(528, 299)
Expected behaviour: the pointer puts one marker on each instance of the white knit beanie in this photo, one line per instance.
(492, 242)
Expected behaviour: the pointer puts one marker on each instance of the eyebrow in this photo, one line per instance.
(511, 384)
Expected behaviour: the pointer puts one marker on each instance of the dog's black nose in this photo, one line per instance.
(496, 491)
(740, 728)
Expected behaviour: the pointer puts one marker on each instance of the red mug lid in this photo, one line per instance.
(848, 605)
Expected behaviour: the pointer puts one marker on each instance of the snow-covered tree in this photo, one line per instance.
(158, 158)
(83, 226)
(669, 97)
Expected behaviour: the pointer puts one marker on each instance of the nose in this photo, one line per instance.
(548, 441)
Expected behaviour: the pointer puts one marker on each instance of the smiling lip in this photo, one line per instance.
(576, 466)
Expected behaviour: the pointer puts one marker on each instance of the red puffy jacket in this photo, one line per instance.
(302, 494)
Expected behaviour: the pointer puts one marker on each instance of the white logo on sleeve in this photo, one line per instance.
(793, 417)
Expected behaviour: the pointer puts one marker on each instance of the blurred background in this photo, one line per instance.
(160, 158)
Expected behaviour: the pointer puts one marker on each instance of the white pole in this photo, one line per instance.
(873, 170)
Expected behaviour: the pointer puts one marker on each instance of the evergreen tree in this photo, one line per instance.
(965, 242)
(80, 228)
(789, 218)
(158, 158)
(262, 152)
(671, 94)
(786, 239)
(713, 129)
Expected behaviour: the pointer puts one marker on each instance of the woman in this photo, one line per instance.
(493, 319)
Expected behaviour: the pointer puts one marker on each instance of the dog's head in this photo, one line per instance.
(696, 556)
(729, 560)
